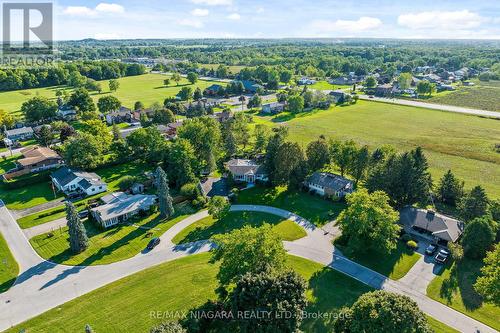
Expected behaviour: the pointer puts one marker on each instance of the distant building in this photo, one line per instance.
(305, 81)
(251, 86)
(19, 134)
(329, 184)
(66, 113)
(122, 115)
(213, 90)
(338, 96)
(119, 207)
(35, 159)
(429, 224)
(247, 171)
(384, 90)
(77, 182)
(273, 108)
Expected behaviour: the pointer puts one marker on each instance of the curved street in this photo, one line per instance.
(43, 285)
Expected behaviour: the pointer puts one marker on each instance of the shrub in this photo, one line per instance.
(406, 238)
(190, 191)
(199, 202)
(412, 244)
(126, 182)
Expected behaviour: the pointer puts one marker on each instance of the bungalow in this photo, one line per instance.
(384, 90)
(19, 134)
(169, 130)
(122, 115)
(35, 159)
(246, 170)
(305, 81)
(329, 184)
(213, 90)
(119, 207)
(429, 224)
(251, 87)
(66, 113)
(273, 108)
(339, 96)
(70, 182)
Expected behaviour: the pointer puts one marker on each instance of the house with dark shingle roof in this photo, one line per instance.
(35, 159)
(69, 182)
(329, 184)
(19, 134)
(429, 224)
(247, 171)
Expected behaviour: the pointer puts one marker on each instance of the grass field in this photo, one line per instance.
(118, 243)
(317, 210)
(147, 88)
(394, 265)
(464, 144)
(182, 285)
(454, 287)
(483, 95)
(325, 85)
(8, 266)
(208, 227)
(8, 163)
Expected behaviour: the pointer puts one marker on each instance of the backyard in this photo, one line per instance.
(208, 227)
(465, 144)
(147, 88)
(115, 244)
(317, 210)
(8, 266)
(454, 287)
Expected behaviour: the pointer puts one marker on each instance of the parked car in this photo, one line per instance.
(153, 243)
(442, 256)
(431, 249)
(83, 214)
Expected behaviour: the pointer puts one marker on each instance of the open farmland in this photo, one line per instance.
(147, 88)
(465, 144)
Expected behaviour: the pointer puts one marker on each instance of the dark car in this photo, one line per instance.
(431, 249)
(442, 256)
(83, 214)
(152, 243)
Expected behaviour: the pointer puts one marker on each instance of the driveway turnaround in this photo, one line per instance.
(43, 285)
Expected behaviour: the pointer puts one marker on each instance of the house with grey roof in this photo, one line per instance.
(19, 134)
(247, 171)
(273, 108)
(329, 184)
(119, 207)
(74, 181)
(430, 224)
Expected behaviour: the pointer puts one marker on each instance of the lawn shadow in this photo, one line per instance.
(331, 291)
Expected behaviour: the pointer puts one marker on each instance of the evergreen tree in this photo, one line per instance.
(450, 189)
(78, 240)
(474, 204)
(272, 150)
(164, 198)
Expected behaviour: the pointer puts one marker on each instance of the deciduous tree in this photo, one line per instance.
(478, 237)
(488, 284)
(218, 207)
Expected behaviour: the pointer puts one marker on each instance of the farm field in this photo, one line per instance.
(147, 88)
(208, 227)
(465, 144)
(483, 95)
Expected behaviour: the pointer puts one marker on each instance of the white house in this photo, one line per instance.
(119, 207)
(69, 182)
(246, 170)
(329, 184)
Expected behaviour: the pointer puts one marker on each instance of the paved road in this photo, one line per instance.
(43, 285)
(440, 107)
(14, 152)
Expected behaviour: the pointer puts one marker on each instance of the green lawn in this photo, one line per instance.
(208, 227)
(8, 266)
(325, 85)
(147, 88)
(465, 144)
(394, 265)
(439, 327)
(8, 163)
(115, 244)
(317, 210)
(454, 287)
(483, 95)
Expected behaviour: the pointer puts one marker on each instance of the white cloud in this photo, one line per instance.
(213, 2)
(234, 16)
(79, 11)
(102, 8)
(462, 19)
(190, 23)
(362, 24)
(200, 12)
(259, 10)
(109, 8)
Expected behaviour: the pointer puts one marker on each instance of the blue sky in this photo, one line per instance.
(77, 19)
